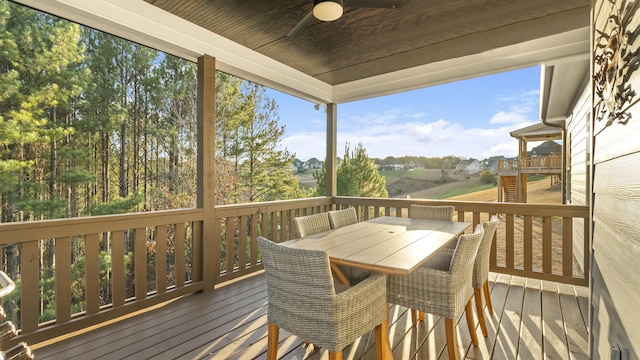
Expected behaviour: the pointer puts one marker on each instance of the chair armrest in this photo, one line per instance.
(374, 287)
(360, 308)
(440, 261)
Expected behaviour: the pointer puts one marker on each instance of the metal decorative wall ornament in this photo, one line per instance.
(617, 57)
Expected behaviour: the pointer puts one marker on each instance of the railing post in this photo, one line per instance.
(206, 167)
(330, 162)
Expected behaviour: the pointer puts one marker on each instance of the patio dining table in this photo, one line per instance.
(388, 245)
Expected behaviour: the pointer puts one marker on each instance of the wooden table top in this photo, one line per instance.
(390, 245)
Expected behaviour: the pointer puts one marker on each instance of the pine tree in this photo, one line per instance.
(265, 171)
(357, 176)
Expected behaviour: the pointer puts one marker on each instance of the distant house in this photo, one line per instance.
(297, 166)
(470, 166)
(313, 163)
(547, 148)
(492, 163)
(395, 166)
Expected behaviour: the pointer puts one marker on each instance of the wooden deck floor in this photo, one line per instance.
(532, 320)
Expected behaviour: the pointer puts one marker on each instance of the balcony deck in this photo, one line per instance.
(532, 319)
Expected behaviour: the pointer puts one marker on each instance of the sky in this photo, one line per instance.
(469, 119)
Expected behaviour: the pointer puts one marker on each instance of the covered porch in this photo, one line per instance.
(538, 284)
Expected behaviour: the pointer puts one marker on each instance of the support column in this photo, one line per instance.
(331, 157)
(209, 250)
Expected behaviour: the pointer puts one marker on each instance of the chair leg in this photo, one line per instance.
(477, 293)
(450, 329)
(472, 329)
(335, 356)
(487, 297)
(272, 343)
(383, 347)
(414, 317)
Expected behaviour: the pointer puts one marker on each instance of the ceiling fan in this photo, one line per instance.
(330, 10)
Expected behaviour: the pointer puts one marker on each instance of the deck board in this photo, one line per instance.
(555, 338)
(530, 346)
(506, 346)
(230, 323)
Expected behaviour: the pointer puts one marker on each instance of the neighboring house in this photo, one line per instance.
(313, 163)
(470, 166)
(297, 165)
(547, 148)
(394, 167)
(491, 163)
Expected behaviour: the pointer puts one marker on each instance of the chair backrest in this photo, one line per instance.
(298, 282)
(440, 213)
(312, 224)
(339, 218)
(481, 264)
(465, 253)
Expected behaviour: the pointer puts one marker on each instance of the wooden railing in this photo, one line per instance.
(533, 241)
(117, 251)
(240, 225)
(532, 165)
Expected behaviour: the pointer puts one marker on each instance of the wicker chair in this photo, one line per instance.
(312, 224)
(440, 213)
(480, 277)
(339, 218)
(302, 299)
(315, 224)
(442, 286)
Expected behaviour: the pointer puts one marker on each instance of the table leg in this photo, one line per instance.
(339, 275)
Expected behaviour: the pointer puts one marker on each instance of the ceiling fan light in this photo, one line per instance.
(327, 10)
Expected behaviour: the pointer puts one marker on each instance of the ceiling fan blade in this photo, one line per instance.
(379, 4)
(302, 24)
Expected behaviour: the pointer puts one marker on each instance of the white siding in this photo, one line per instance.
(615, 271)
(578, 163)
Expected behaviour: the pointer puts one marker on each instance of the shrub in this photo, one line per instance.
(487, 177)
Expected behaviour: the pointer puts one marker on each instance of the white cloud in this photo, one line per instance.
(306, 145)
(431, 139)
(397, 132)
(508, 117)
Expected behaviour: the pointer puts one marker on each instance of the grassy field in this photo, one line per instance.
(437, 184)
(462, 191)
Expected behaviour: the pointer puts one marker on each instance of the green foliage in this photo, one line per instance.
(487, 177)
(121, 206)
(43, 209)
(357, 175)
(249, 139)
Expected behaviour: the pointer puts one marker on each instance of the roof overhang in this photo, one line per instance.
(540, 132)
(562, 81)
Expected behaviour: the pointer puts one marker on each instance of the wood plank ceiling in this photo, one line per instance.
(367, 42)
